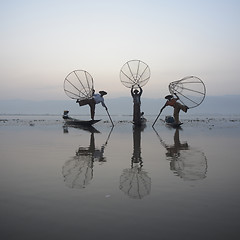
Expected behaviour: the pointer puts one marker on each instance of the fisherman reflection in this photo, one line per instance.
(186, 162)
(174, 150)
(78, 171)
(134, 181)
(136, 157)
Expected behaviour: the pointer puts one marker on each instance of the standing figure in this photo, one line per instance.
(136, 95)
(96, 98)
(171, 101)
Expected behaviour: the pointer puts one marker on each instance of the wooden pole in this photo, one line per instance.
(156, 118)
(109, 116)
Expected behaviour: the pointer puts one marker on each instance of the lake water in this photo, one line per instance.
(61, 182)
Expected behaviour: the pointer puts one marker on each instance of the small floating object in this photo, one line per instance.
(31, 124)
(169, 120)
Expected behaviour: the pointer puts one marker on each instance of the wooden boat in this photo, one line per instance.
(76, 122)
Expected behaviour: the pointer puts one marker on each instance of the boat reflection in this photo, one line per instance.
(78, 170)
(186, 162)
(87, 128)
(135, 181)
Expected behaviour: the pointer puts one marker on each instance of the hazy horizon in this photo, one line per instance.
(227, 104)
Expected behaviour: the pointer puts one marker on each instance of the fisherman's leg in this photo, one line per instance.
(176, 114)
(84, 102)
(136, 114)
(92, 109)
(183, 107)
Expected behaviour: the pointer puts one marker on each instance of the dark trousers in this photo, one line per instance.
(91, 104)
(136, 114)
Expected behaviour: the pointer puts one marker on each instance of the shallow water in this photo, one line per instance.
(61, 182)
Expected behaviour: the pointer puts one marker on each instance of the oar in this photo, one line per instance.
(109, 116)
(157, 118)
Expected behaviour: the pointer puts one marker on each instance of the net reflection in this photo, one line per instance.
(186, 162)
(78, 170)
(135, 181)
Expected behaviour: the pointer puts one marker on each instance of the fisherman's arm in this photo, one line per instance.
(103, 104)
(176, 96)
(132, 91)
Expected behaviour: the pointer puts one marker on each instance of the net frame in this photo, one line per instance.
(135, 73)
(179, 87)
(78, 84)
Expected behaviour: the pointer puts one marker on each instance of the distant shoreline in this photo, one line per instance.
(228, 104)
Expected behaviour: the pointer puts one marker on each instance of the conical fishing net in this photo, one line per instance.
(190, 90)
(78, 85)
(135, 73)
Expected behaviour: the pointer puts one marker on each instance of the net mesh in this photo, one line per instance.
(190, 90)
(134, 73)
(189, 165)
(78, 85)
(135, 182)
(78, 171)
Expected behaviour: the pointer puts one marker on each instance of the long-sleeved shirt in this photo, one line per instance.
(99, 99)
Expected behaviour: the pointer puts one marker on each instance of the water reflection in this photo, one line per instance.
(82, 127)
(134, 181)
(78, 171)
(186, 162)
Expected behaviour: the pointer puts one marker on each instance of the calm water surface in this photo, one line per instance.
(61, 182)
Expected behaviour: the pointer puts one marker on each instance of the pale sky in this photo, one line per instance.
(43, 41)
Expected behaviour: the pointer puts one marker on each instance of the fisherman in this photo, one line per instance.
(136, 95)
(171, 101)
(96, 98)
(65, 114)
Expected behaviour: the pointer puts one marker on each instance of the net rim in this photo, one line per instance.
(189, 77)
(78, 96)
(134, 83)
